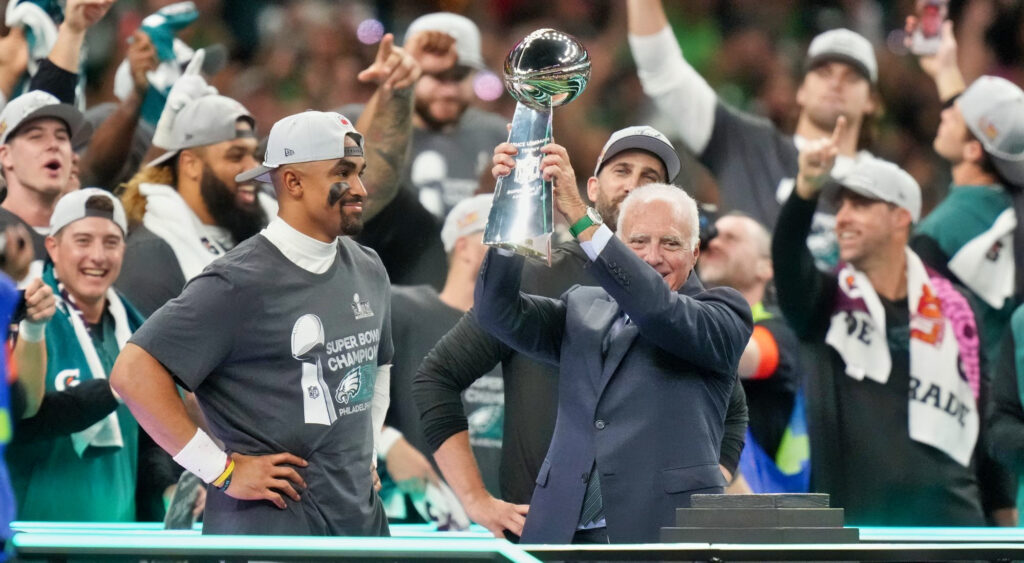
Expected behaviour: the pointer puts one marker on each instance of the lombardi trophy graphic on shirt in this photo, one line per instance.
(308, 348)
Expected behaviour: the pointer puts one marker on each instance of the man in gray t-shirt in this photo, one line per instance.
(286, 343)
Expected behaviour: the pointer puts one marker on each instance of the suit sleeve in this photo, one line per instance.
(709, 330)
(461, 357)
(531, 324)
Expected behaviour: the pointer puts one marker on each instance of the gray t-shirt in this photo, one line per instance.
(285, 360)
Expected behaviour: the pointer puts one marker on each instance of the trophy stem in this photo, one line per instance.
(522, 212)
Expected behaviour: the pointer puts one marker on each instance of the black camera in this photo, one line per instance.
(707, 214)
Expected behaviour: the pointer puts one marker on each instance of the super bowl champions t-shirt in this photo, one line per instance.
(285, 360)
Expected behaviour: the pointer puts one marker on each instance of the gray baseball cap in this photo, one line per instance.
(37, 104)
(645, 138)
(309, 136)
(879, 179)
(844, 46)
(993, 110)
(71, 207)
(465, 32)
(206, 121)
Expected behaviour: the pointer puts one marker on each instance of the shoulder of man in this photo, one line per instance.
(363, 256)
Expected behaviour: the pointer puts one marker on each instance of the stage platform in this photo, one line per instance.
(38, 541)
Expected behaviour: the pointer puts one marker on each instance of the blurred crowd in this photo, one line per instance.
(283, 57)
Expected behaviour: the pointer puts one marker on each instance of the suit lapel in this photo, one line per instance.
(600, 316)
(616, 352)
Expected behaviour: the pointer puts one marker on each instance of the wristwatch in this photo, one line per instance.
(589, 220)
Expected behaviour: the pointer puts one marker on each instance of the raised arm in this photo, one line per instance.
(675, 86)
(387, 122)
(942, 67)
(804, 292)
(112, 139)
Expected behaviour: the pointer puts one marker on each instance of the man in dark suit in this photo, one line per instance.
(647, 362)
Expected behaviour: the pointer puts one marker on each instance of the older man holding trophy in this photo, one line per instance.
(646, 361)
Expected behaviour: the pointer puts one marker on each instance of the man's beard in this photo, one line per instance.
(351, 225)
(423, 111)
(608, 210)
(241, 222)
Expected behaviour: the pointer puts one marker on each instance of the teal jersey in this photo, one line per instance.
(967, 212)
(51, 480)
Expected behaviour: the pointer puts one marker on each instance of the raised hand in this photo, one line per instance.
(190, 86)
(556, 168)
(393, 68)
(433, 50)
(945, 58)
(18, 252)
(504, 160)
(40, 304)
(943, 67)
(816, 160)
(141, 60)
(80, 15)
(266, 477)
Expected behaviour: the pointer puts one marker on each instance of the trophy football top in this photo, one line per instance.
(547, 68)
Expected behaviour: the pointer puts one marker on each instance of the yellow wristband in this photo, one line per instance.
(219, 481)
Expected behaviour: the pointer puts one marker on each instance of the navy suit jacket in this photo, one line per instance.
(650, 411)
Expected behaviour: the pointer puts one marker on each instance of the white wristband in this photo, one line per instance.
(31, 331)
(388, 437)
(202, 457)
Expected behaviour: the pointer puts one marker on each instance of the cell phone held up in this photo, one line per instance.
(927, 34)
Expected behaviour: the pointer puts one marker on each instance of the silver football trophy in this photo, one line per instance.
(547, 68)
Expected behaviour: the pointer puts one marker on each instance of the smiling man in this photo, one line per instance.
(88, 475)
(286, 343)
(186, 208)
(754, 162)
(892, 401)
(36, 134)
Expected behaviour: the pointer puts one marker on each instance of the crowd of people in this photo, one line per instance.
(254, 289)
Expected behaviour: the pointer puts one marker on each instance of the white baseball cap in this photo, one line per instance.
(467, 217)
(993, 110)
(644, 138)
(879, 179)
(71, 207)
(305, 137)
(465, 32)
(37, 104)
(844, 46)
(206, 120)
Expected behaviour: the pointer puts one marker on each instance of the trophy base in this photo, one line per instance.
(537, 247)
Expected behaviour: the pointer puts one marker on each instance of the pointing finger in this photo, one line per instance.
(837, 133)
(196, 64)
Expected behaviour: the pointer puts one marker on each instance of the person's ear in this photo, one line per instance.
(51, 248)
(592, 188)
(973, 152)
(190, 165)
(765, 272)
(291, 179)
